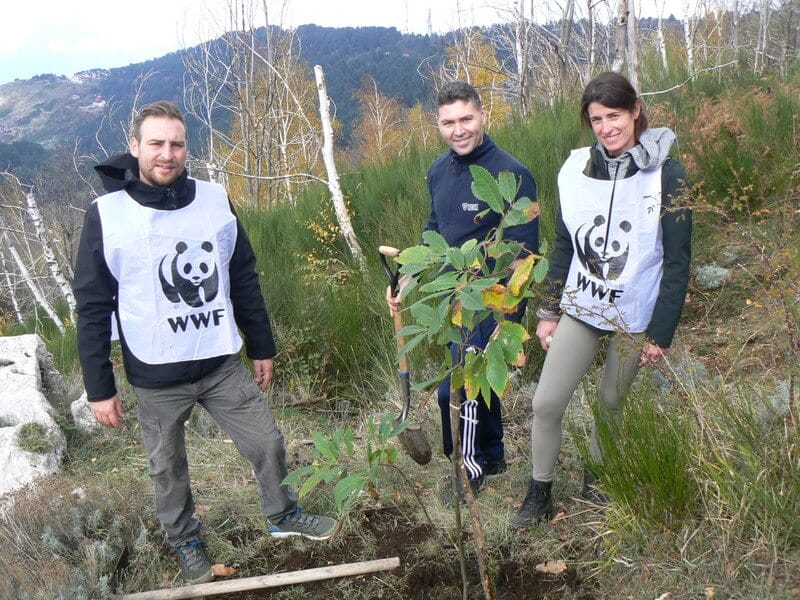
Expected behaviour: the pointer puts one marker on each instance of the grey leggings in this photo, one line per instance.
(570, 356)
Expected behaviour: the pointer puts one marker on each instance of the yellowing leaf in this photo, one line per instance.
(456, 318)
(552, 567)
(520, 360)
(533, 210)
(221, 570)
(497, 298)
(521, 274)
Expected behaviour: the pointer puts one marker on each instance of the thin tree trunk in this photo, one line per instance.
(662, 43)
(687, 38)
(337, 197)
(10, 286)
(49, 256)
(621, 37)
(633, 54)
(35, 291)
(472, 505)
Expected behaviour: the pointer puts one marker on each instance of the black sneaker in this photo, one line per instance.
(590, 490)
(194, 562)
(538, 505)
(447, 493)
(300, 522)
(493, 469)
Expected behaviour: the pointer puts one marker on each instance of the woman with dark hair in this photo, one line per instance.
(618, 274)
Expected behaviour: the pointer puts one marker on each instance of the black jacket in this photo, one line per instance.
(676, 227)
(96, 292)
(454, 206)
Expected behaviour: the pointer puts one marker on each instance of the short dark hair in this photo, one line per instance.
(457, 90)
(162, 108)
(614, 91)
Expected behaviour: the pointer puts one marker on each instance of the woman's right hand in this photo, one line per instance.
(545, 330)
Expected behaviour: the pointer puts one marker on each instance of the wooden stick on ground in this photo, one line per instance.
(267, 581)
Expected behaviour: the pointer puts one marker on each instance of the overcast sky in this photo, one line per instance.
(63, 36)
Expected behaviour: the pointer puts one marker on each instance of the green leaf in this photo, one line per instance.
(540, 270)
(334, 473)
(295, 476)
(410, 344)
(496, 368)
(471, 299)
(510, 337)
(424, 314)
(485, 188)
(484, 283)
(414, 254)
(410, 330)
(391, 455)
(325, 446)
(413, 268)
(399, 428)
(313, 481)
(508, 185)
(424, 386)
(435, 241)
(455, 257)
(347, 489)
(446, 281)
(410, 286)
(519, 213)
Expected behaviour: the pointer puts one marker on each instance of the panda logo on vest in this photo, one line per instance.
(192, 275)
(602, 249)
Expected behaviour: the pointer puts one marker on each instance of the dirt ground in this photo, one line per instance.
(385, 533)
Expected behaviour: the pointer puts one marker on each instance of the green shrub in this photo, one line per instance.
(647, 460)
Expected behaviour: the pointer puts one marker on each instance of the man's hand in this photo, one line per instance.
(545, 330)
(262, 373)
(651, 354)
(394, 301)
(108, 412)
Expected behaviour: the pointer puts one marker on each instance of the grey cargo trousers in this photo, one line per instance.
(233, 399)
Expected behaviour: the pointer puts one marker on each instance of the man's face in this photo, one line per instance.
(161, 150)
(461, 125)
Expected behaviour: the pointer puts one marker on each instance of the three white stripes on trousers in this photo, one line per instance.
(469, 413)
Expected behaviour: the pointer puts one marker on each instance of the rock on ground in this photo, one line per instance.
(26, 375)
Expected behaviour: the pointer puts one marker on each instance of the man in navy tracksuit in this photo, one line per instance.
(461, 119)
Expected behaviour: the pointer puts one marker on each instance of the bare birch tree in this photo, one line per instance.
(337, 198)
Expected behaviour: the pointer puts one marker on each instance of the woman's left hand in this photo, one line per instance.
(651, 354)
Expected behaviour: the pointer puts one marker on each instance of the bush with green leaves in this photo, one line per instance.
(461, 287)
(334, 461)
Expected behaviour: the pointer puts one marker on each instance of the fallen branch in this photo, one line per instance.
(267, 581)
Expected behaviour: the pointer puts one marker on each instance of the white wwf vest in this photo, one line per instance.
(172, 267)
(616, 267)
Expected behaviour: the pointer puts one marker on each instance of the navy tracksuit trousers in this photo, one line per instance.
(481, 425)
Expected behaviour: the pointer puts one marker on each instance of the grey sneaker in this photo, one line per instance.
(194, 562)
(300, 522)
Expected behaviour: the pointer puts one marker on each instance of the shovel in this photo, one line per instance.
(412, 439)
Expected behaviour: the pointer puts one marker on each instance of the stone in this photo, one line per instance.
(711, 277)
(82, 415)
(22, 401)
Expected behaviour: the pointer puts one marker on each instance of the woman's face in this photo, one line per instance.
(614, 127)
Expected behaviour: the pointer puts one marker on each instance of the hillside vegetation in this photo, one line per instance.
(705, 489)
